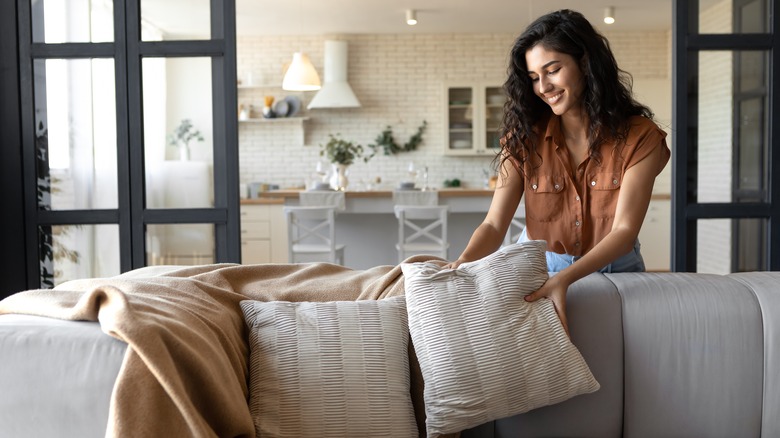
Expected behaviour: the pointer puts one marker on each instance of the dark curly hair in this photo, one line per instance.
(607, 97)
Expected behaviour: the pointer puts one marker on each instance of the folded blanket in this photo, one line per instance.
(185, 370)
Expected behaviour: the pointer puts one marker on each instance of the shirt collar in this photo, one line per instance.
(554, 131)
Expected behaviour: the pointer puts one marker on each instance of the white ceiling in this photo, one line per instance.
(323, 17)
(328, 17)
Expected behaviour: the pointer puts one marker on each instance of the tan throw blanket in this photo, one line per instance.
(185, 371)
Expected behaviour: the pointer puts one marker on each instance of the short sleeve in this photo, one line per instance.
(644, 138)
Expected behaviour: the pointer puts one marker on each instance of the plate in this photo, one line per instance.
(294, 104)
(281, 108)
(461, 144)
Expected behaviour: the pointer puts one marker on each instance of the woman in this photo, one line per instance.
(580, 148)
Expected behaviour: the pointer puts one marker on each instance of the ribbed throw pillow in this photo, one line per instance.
(337, 369)
(484, 352)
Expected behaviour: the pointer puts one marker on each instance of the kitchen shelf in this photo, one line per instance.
(275, 120)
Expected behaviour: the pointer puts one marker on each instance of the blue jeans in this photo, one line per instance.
(631, 262)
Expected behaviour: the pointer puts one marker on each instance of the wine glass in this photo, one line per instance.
(412, 171)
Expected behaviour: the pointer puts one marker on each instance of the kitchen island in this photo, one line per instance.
(368, 226)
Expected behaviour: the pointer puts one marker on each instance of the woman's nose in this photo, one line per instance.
(544, 85)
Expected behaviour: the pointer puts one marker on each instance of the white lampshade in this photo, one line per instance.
(301, 75)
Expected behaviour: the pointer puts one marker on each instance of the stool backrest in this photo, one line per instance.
(422, 230)
(415, 197)
(311, 230)
(322, 198)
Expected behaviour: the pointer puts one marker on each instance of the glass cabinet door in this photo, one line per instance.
(460, 118)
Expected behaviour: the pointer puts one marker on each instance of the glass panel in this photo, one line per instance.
(752, 67)
(461, 118)
(72, 21)
(180, 244)
(75, 112)
(175, 20)
(732, 164)
(494, 111)
(733, 16)
(69, 252)
(751, 177)
(715, 127)
(731, 245)
(178, 133)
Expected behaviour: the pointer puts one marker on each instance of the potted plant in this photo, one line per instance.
(341, 153)
(182, 136)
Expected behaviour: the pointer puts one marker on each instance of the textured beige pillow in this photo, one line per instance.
(329, 369)
(484, 352)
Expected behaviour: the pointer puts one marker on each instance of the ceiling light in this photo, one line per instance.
(301, 75)
(411, 17)
(609, 14)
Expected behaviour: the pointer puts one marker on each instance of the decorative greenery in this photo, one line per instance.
(386, 142)
(341, 151)
(50, 250)
(184, 134)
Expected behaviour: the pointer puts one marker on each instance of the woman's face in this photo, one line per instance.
(556, 78)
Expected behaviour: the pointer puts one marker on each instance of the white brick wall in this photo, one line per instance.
(399, 80)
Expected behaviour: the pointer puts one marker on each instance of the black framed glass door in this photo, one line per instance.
(130, 157)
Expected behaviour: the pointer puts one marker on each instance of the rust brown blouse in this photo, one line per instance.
(574, 214)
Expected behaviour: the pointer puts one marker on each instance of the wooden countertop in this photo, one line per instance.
(280, 195)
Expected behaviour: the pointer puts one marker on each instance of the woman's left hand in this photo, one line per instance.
(555, 290)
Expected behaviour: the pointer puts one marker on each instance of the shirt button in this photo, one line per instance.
(576, 243)
(534, 186)
(593, 183)
(614, 181)
(577, 223)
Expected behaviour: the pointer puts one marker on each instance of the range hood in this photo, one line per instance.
(335, 91)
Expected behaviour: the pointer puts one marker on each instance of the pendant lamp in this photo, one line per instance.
(301, 75)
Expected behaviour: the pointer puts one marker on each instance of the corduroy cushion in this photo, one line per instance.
(484, 352)
(335, 369)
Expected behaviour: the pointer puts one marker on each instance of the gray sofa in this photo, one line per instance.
(677, 355)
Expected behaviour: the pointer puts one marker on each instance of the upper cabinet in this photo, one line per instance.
(473, 113)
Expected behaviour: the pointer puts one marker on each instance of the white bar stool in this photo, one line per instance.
(422, 223)
(311, 235)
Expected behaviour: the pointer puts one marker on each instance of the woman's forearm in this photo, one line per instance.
(485, 240)
(616, 244)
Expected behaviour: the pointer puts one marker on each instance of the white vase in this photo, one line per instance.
(184, 152)
(338, 179)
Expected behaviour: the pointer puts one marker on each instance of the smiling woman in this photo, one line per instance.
(579, 148)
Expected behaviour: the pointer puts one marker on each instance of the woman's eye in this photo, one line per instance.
(536, 79)
(552, 72)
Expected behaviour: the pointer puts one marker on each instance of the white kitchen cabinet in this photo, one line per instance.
(263, 234)
(473, 113)
(656, 235)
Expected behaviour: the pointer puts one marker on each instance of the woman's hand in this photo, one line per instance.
(452, 265)
(555, 290)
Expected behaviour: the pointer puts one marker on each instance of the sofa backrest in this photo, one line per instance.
(693, 356)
